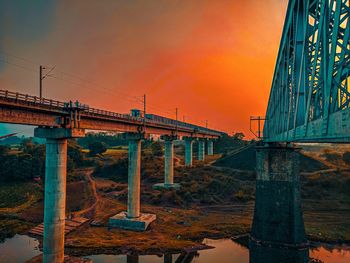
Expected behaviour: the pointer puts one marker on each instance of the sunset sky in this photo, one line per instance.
(213, 59)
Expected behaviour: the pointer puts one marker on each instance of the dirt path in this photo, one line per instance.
(95, 196)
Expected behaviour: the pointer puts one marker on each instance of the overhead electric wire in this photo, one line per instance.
(83, 83)
(72, 76)
(133, 99)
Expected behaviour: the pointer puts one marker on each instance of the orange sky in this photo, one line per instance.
(212, 59)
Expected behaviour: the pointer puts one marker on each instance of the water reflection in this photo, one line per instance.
(262, 254)
(168, 258)
(132, 259)
(22, 248)
(18, 249)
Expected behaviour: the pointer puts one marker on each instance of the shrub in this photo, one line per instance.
(346, 157)
(157, 149)
(97, 148)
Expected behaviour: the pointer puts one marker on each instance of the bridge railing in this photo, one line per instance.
(29, 98)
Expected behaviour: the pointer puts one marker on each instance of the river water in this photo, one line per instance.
(21, 248)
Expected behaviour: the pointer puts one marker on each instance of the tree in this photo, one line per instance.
(157, 149)
(96, 148)
(238, 136)
(346, 157)
(109, 139)
(28, 146)
(227, 143)
(4, 150)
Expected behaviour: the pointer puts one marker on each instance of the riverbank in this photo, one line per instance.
(214, 202)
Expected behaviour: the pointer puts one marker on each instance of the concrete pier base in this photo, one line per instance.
(278, 218)
(141, 223)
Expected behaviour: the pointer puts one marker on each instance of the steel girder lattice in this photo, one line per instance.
(310, 96)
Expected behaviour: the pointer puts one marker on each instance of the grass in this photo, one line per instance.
(10, 226)
(15, 197)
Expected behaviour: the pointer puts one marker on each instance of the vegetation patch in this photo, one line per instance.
(13, 195)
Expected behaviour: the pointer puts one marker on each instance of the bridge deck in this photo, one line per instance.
(25, 109)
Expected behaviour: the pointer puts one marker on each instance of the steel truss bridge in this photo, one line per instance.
(20, 108)
(310, 96)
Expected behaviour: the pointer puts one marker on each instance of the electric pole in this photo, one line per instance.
(41, 81)
(206, 124)
(41, 77)
(176, 118)
(144, 113)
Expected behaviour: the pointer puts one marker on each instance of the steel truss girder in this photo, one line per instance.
(310, 84)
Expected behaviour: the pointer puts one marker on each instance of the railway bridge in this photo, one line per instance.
(309, 102)
(58, 121)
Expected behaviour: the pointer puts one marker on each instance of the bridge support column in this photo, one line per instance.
(210, 146)
(168, 258)
(278, 216)
(201, 151)
(55, 190)
(133, 219)
(188, 151)
(168, 164)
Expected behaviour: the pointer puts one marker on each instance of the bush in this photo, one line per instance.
(4, 150)
(31, 161)
(96, 148)
(157, 149)
(331, 157)
(346, 157)
(117, 171)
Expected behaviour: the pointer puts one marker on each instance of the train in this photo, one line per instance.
(137, 114)
(160, 119)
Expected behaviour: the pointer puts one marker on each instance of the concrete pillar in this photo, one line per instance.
(132, 259)
(134, 178)
(188, 151)
(168, 258)
(55, 200)
(55, 190)
(132, 219)
(168, 162)
(210, 145)
(201, 151)
(278, 216)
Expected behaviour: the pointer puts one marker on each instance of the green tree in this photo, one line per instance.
(238, 136)
(157, 149)
(346, 157)
(96, 148)
(4, 150)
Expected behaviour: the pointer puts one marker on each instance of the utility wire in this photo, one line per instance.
(82, 82)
